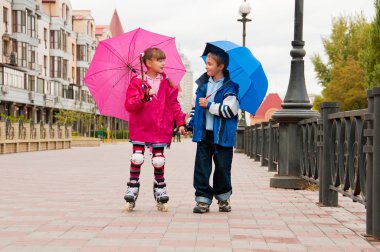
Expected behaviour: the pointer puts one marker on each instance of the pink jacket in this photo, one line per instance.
(153, 121)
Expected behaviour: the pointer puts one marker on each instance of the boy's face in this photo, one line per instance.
(212, 67)
(156, 65)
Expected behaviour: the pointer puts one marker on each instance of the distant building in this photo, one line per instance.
(271, 104)
(186, 86)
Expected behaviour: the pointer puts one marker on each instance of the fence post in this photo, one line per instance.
(369, 157)
(270, 147)
(251, 155)
(245, 139)
(327, 197)
(264, 144)
(376, 164)
(257, 136)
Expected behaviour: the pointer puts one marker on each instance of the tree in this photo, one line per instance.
(343, 75)
(67, 116)
(371, 55)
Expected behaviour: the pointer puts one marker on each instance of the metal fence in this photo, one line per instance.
(340, 151)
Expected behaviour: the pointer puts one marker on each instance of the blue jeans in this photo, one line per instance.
(206, 151)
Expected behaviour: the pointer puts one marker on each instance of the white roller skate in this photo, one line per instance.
(161, 196)
(131, 196)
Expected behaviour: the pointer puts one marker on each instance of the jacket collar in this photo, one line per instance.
(203, 80)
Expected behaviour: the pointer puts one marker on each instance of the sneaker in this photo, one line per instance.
(201, 207)
(224, 206)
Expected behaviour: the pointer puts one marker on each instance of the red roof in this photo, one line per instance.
(115, 25)
(271, 101)
(99, 29)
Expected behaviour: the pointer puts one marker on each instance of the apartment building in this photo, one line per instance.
(45, 52)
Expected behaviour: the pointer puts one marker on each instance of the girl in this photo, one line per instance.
(151, 100)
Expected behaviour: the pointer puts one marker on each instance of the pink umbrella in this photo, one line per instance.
(116, 60)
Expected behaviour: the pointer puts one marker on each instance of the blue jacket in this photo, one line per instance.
(225, 118)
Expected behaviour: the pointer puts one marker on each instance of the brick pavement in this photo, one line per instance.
(71, 200)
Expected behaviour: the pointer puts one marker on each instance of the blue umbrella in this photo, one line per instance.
(245, 70)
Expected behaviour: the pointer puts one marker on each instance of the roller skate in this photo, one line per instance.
(131, 195)
(161, 196)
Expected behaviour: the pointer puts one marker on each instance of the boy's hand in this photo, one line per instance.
(182, 130)
(203, 102)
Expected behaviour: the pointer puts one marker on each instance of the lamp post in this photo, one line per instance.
(296, 107)
(244, 10)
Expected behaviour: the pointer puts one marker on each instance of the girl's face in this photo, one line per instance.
(156, 65)
(212, 67)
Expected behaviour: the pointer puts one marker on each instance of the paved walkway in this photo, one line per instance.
(71, 200)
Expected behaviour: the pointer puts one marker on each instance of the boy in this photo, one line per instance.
(214, 127)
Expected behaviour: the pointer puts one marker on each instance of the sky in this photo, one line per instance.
(269, 35)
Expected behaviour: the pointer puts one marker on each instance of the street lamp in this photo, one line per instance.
(296, 107)
(244, 10)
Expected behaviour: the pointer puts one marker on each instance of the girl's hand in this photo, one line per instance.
(203, 102)
(151, 92)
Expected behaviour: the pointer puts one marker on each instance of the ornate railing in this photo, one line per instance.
(42, 130)
(23, 136)
(33, 130)
(9, 130)
(21, 130)
(310, 148)
(348, 160)
(261, 141)
(340, 151)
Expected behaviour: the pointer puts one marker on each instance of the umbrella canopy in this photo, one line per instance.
(116, 61)
(245, 70)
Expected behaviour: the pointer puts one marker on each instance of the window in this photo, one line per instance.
(12, 77)
(45, 37)
(73, 74)
(70, 92)
(81, 53)
(81, 72)
(59, 64)
(5, 48)
(31, 21)
(5, 18)
(30, 85)
(64, 69)
(63, 11)
(64, 41)
(40, 86)
(73, 51)
(58, 67)
(55, 39)
(32, 56)
(67, 14)
(45, 65)
(21, 52)
(18, 21)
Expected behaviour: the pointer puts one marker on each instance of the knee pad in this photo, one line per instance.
(137, 158)
(158, 161)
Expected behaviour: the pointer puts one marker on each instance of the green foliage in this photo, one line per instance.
(371, 55)
(67, 116)
(343, 76)
(15, 118)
